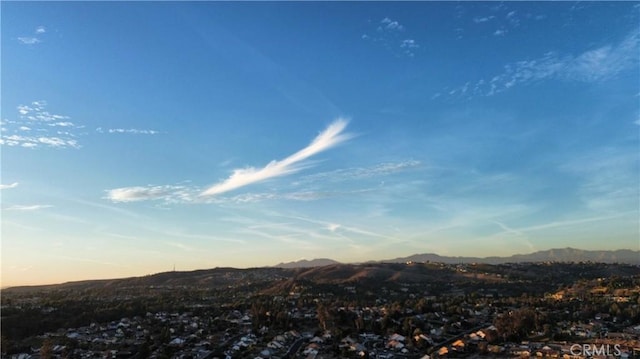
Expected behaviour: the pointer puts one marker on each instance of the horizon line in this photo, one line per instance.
(337, 262)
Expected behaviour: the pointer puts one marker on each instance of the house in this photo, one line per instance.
(177, 342)
(546, 351)
(458, 345)
(310, 351)
(347, 342)
(357, 347)
(369, 336)
(422, 337)
(395, 344)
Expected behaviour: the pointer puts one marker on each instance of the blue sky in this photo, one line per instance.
(139, 136)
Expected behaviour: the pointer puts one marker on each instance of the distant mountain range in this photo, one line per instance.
(626, 256)
(319, 262)
(284, 276)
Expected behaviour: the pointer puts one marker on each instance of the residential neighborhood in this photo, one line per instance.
(268, 315)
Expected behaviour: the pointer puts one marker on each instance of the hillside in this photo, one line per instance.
(206, 279)
(327, 271)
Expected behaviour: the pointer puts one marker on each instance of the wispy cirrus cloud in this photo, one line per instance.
(481, 19)
(309, 195)
(330, 137)
(500, 32)
(33, 39)
(563, 223)
(390, 34)
(295, 231)
(61, 124)
(387, 24)
(169, 193)
(7, 186)
(596, 65)
(408, 45)
(28, 40)
(191, 194)
(179, 245)
(35, 141)
(36, 112)
(358, 173)
(608, 179)
(335, 227)
(498, 20)
(131, 131)
(37, 127)
(33, 207)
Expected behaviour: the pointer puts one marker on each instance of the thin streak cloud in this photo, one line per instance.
(190, 194)
(139, 193)
(34, 207)
(28, 40)
(132, 131)
(333, 227)
(92, 261)
(330, 137)
(573, 222)
(359, 173)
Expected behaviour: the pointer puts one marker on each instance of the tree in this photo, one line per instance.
(387, 321)
(165, 335)
(323, 316)
(407, 326)
(516, 324)
(5, 345)
(46, 351)
(359, 322)
(143, 350)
